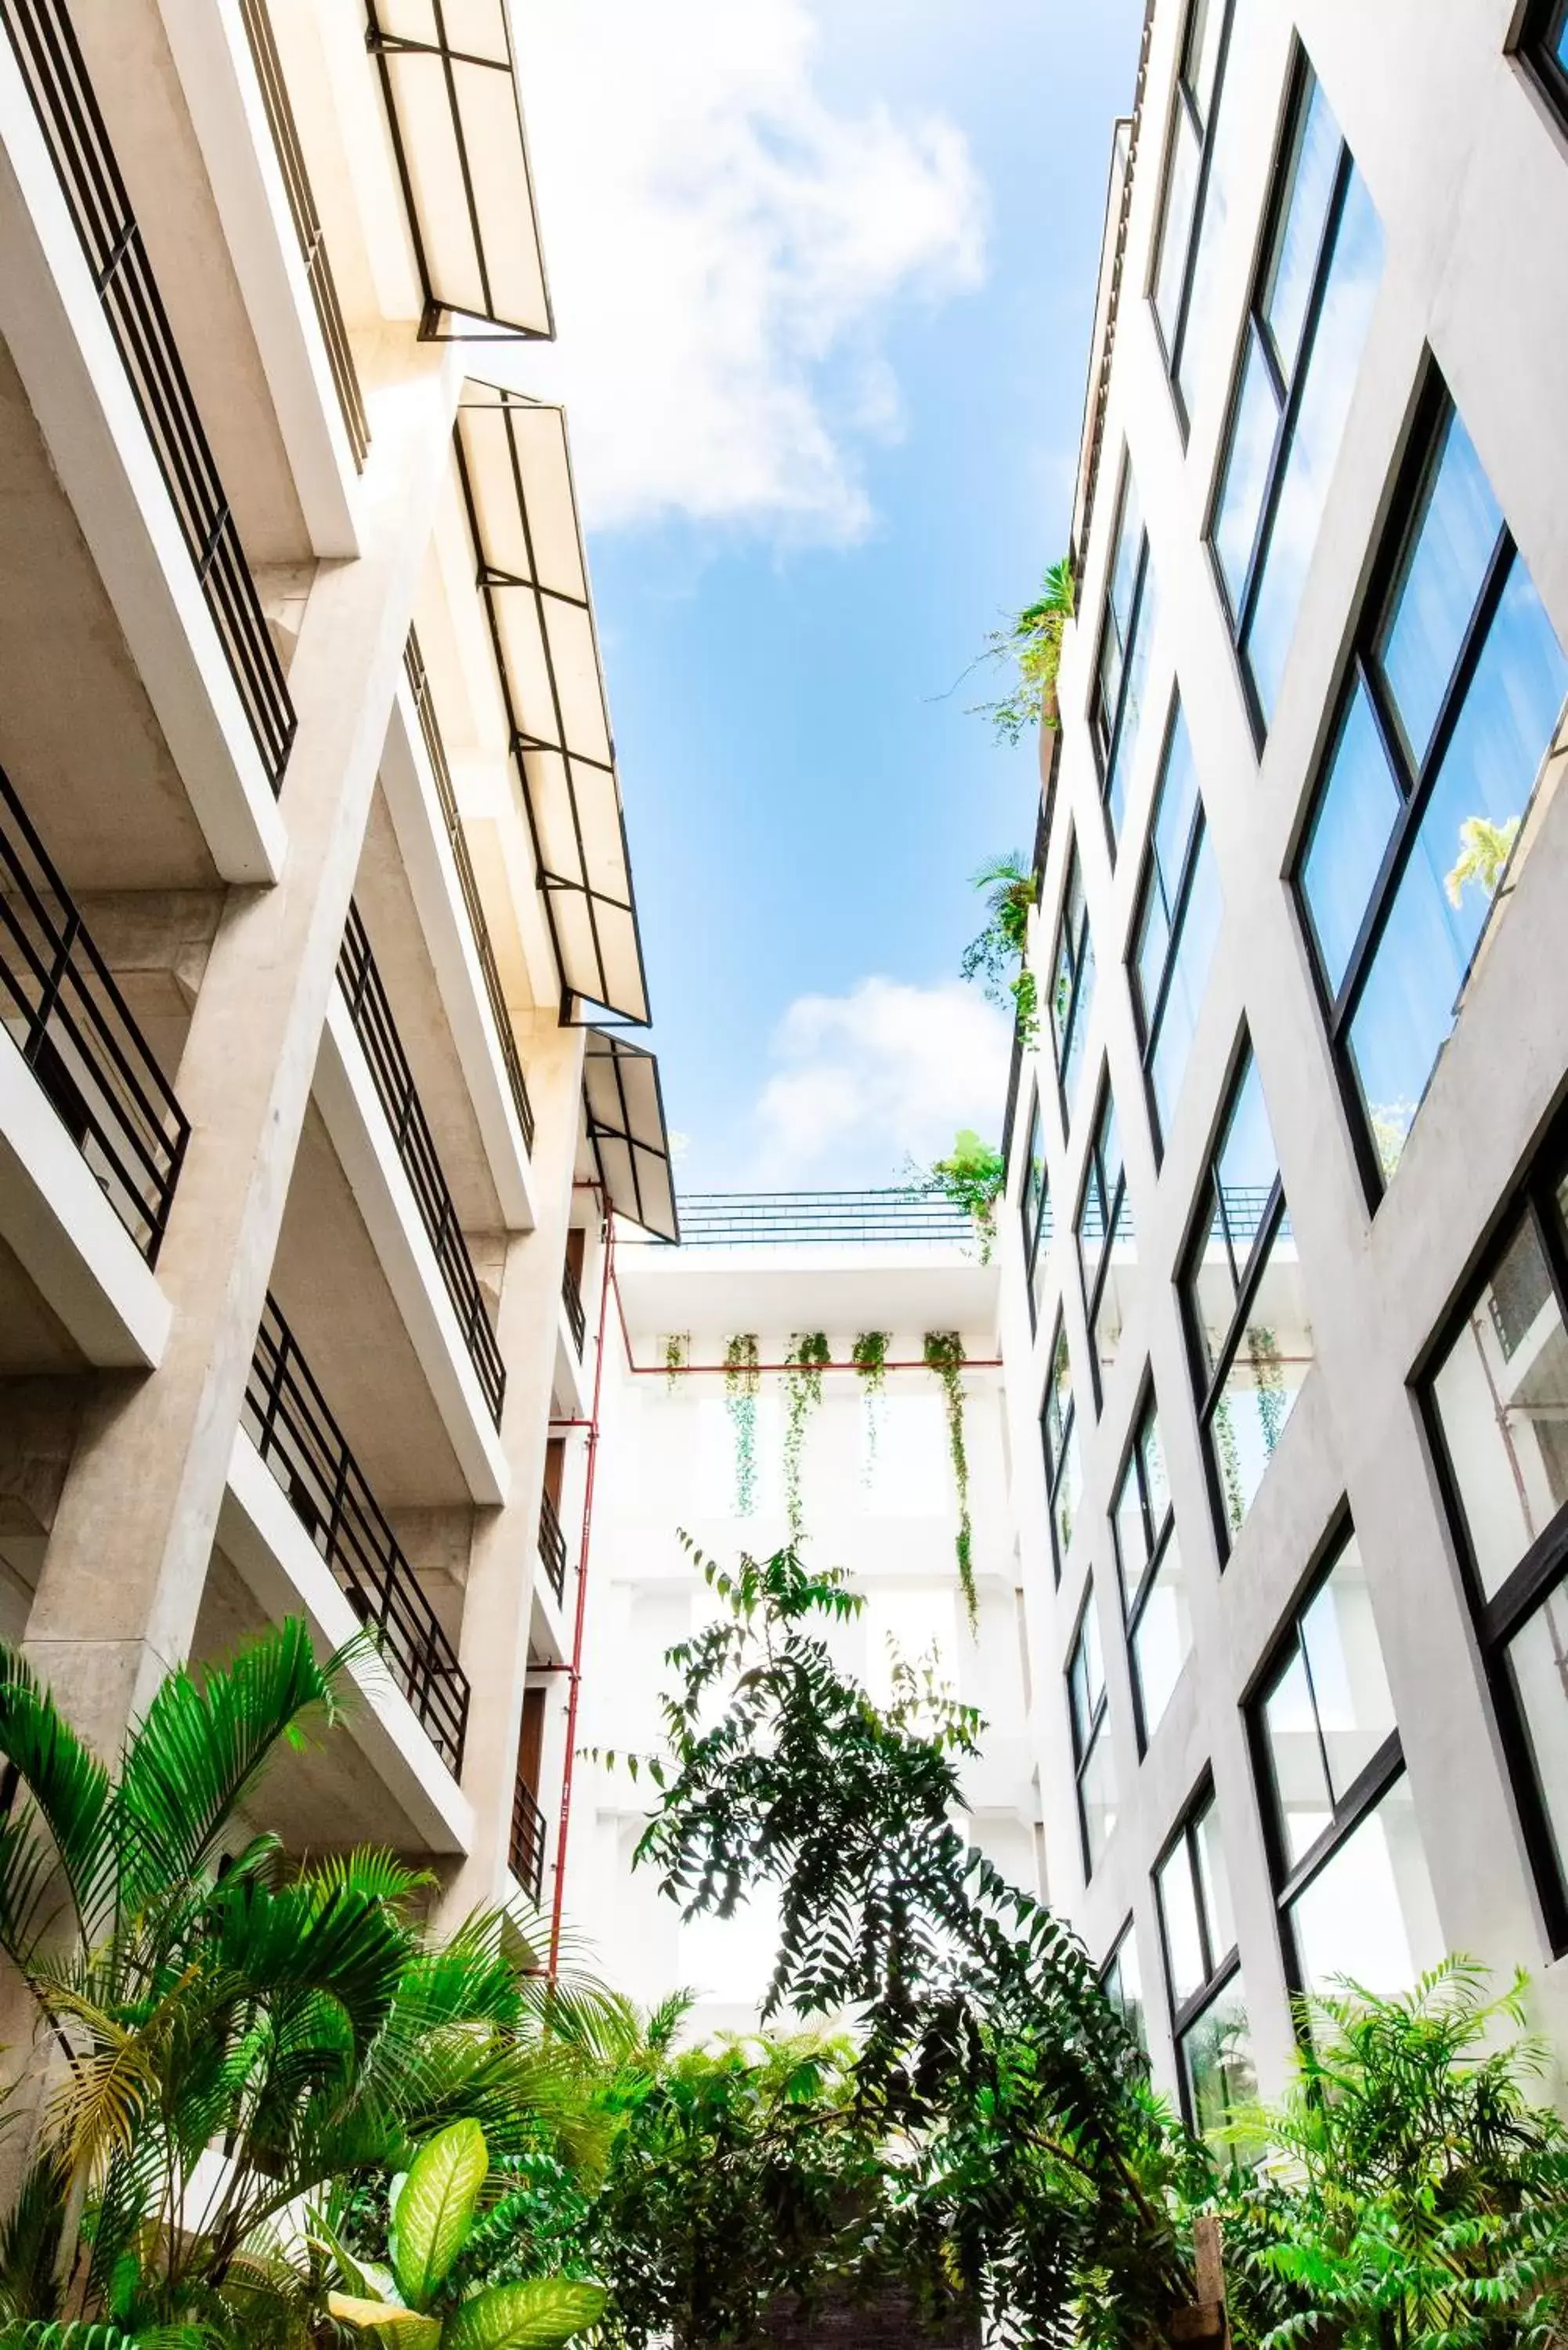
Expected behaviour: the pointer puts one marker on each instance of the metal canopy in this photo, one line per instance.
(516, 474)
(625, 1127)
(451, 88)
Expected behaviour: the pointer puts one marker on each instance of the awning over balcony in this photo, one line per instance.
(451, 88)
(626, 1130)
(517, 473)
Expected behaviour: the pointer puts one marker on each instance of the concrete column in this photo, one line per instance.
(498, 1603)
(122, 1580)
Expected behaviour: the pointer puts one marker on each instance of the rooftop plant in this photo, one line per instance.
(973, 1176)
(1029, 646)
(998, 955)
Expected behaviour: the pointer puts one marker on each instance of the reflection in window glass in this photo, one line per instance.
(1162, 1637)
(1107, 1252)
(1121, 679)
(1185, 1958)
(1091, 1742)
(1177, 926)
(1154, 1589)
(1537, 1658)
(1368, 1917)
(1329, 1713)
(1123, 1982)
(1059, 1430)
(1073, 987)
(1034, 1211)
(1221, 2076)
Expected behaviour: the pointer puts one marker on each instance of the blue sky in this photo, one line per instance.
(823, 279)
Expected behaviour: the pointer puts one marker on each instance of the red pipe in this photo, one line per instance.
(576, 1683)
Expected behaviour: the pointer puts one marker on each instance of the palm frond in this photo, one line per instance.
(70, 1789)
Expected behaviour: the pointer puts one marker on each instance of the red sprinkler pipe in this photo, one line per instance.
(575, 1683)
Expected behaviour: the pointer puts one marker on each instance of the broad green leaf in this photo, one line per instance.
(434, 2211)
(538, 2316)
(409, 2329)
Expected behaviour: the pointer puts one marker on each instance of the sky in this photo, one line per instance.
(823, 273)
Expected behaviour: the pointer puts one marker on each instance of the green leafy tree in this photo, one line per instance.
(973, 1176)
(1030, 646)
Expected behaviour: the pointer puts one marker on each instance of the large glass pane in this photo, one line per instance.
(1162, 1637)
(1298, 237)
(1073, 1060)
(1123, 1987)
(1445, 894)
(1538, 1663)
(1188, 977)
(1443, 576)
(1058, 1400)
(1200, 52)
(1097, 1796)
(1356, 814)
(1368, 1916)
(1157, 1482)
(1221, 2080)
(1265, 1376)
(1304, 1803)
(1134, 702)
(1178, 1921)
(1132, 1537)
(1200, 346)
(1213, 1883)
(1246, 473)
(1069, 1488)
(1502, 1395)
(1176, 235)
(1124, 569)
(1331, 364)
(1248, 1167)
(1344, 1657)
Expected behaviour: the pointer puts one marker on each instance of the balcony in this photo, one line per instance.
(50, 62)
(572, 1299)
(525, 1850)
(371, 1014)
(818, 1219)
(288, 1420)
(553, 1546)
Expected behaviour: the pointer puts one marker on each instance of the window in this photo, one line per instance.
(1311, 305)
(1154, 1589)
(1499, 1406)
(1059, 1435)
(1177, 925)
(1092, 1757)
(1035, 1208)
(1107, 1253)
(1246, 1314)
(1202, 1972)
(1545, 44)
(1455, 692)
(1073, 990)
(1193, 206)
(1353, 1895)
(1121, 675)
(1122, 1982)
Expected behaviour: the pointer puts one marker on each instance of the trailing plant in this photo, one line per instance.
(1031, 645)
(1262, 1349)
(998, 955)
(806, 1358)
(677, 1356)
(973, 1176)
(870, 1355)
(945, 1355)
(1229, 1452)
(742, 1382)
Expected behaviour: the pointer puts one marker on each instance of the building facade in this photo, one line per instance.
(313, 900)
(1285, 1256)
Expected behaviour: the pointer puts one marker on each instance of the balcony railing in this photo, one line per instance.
(52, 66)
(286, 1418)
(811, 1219)
(552, 1545)
(435, 749)
(572, 1298)
(526, 1851)
(61, 1007)
(394, 1081)
(308, 226)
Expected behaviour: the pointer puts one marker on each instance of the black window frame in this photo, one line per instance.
(1435, 411)
(1148, 1023)
(1223, 1969)
(1207, 134)
(1239, 619)
(1107, 752)
(1086, 1736)
(1034, 1209)
(1543, 1566)
(1545, 23)
(1056, 1459)
(1079, 945)
(1116, 1209)
(1158, 1541)
(1383, 1770)
(1113, 1967)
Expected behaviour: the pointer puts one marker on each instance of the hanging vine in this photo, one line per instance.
(870, 1356)
(1230, 1453)
(677, 1355)
(945, 1355)
(742, 1381)
(1268, 1374)
(807, 1356)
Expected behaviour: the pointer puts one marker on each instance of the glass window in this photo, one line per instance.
(1326, 1714)
(1250, 1339)
(1209, 2012)
(1368, 1917)
(1034, 1209)
(1311, 309)
(1154, 1589)
(1059, 1433)
(1454, 700)
(1176, 924)
(1073, 986)
(1107, 1250)
(1219, 2079)
(1091, 1743)
(1545, 44)
(1123, 1984)
(1194, 204)
(1121, 679)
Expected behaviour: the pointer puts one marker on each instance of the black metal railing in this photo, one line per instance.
(526, 1849)
(805, 1219)
(59, 1003)
(430, 727)
(394, 1081)
(287, 1419)
(308, 226)
(52, 66)
(572, 1298)
(552, 1545)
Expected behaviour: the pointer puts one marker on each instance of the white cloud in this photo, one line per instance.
(868, 1079)
(725, 251)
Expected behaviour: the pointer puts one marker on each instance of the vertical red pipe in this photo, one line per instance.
(575, 1682)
